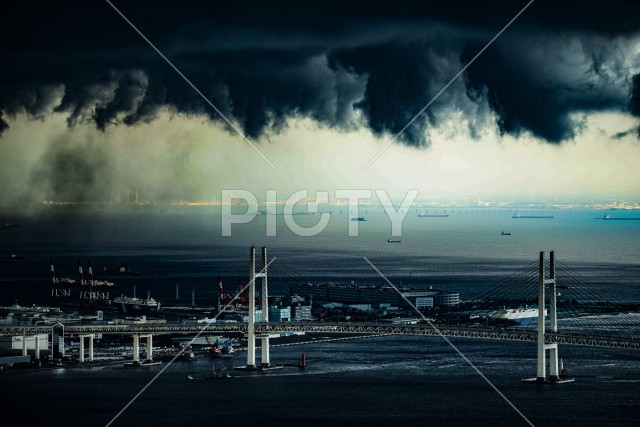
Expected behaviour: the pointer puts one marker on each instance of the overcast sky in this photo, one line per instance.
(88, 109)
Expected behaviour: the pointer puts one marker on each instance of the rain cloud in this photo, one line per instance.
(345, 66)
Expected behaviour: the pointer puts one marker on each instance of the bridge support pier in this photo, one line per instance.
(149, 346)
(554, 372)
(82, 337)
(24, 345)
(37, 348)
(136, 348)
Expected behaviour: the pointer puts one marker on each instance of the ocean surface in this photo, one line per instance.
(464, 252)
(385, 381)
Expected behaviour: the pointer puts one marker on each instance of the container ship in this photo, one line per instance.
(517, 215)
(606, 217)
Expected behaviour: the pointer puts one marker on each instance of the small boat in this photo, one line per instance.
(358, 218)
(394, 241)
(505, 233)
(14, 257)
(189, 377)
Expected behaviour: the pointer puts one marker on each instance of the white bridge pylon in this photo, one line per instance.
(554, 368)
(251, 333)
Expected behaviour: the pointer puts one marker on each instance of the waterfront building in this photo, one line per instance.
(377, 295)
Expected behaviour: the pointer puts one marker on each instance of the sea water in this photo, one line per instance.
(383, 381)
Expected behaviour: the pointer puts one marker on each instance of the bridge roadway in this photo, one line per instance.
(331, 328)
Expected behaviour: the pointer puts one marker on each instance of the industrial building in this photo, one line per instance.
(377, 295)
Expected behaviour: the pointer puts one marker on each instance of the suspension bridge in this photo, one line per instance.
(544, 302)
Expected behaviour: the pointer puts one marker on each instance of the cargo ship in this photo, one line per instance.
(426, 215)
(135, 305)
(517, 215)
(608, 218)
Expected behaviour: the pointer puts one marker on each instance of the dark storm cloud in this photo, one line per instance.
(535, 83)
(128, 95)
(3, 124)
(343, 64)
(634, 104)
(635, 96)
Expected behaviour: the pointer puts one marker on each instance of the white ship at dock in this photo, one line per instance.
(518, 315)
(136, 305)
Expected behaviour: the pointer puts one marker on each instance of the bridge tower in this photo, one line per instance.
(251, 344)
(265, 309)
(550, 283)
(251, 334)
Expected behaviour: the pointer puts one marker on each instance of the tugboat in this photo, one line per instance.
(505, 233)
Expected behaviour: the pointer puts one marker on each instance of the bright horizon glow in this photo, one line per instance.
(177, 156)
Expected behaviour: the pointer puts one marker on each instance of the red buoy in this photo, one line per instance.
(303, 361)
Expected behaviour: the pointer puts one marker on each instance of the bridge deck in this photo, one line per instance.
(333, 328)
